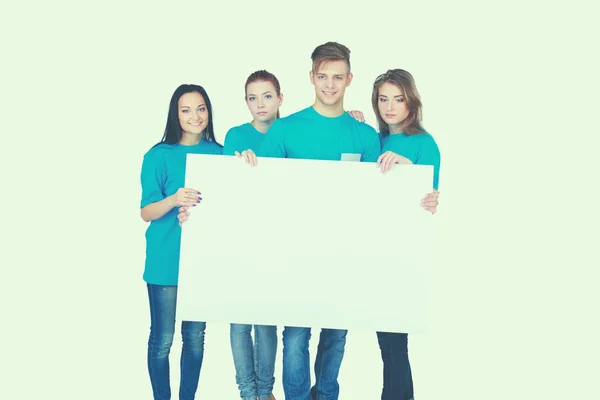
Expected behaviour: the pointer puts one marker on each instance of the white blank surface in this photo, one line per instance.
(305, 243)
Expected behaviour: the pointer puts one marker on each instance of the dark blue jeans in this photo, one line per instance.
(162, 329)
(397, 376)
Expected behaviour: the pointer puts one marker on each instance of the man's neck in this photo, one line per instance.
(329, 111)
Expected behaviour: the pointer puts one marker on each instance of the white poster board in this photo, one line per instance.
(306, 243)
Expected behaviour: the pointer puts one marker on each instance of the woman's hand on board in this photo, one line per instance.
(248, 156)
(388, 159)
(183, 215)
(430, 201)
(185, 197)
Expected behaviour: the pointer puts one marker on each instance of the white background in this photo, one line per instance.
(509, 91)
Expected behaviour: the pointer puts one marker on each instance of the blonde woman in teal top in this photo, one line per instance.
(397, 106)
(255, 362)
(189, 129)
(263, 98)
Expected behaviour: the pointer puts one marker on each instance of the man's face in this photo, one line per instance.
(330, 79)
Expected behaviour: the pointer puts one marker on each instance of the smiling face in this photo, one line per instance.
(392, 105)
(193, 114)
(330, 79)
(263, 101)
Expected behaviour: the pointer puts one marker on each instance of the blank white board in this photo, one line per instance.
(306, 243)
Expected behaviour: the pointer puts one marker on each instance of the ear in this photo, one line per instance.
(312, 77)
(280, 98)
(350, 76)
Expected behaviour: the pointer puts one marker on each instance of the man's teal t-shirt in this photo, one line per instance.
(307, 134)
(163, 173)
(242, 137)
(419, 148)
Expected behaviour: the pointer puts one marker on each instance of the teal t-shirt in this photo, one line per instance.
(307, 134)
(420, 149)
(163, 173)
(242, 137)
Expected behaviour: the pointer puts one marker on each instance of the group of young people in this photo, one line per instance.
(322, 131)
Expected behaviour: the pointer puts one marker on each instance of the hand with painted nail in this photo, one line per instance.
(185, 197)
(357, 115)
(388, 159)
(248, 156)
(430, 201)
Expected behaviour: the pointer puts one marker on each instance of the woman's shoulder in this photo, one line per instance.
(159, 149)
(213, 145)
(424, 137)
(426, 143)
(234, 130)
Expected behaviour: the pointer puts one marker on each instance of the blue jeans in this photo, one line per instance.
(397, 376)
(162, 329)
(296, 364)
(254, 364)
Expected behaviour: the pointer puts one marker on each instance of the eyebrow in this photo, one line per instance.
(189, 106)
(252, 94)
(383, 95)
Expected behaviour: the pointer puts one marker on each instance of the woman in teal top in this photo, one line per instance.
(263, 98)
(397, 106)
(255, 363)
(189, 129)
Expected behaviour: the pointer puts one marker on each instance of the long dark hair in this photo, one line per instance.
(405, 81)
(173, 131)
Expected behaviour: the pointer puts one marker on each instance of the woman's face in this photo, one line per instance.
(262, 100)
(392, 104)
(193, 113)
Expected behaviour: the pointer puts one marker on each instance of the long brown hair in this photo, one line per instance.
(263, 76)
(405, 81)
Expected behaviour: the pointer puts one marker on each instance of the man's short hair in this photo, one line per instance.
(330, 51)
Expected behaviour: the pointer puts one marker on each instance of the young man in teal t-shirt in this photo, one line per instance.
(323, 131)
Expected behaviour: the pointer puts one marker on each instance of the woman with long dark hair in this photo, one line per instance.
(189, 129)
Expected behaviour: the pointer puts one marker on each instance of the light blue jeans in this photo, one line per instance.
(296, 364)
(254, 363)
